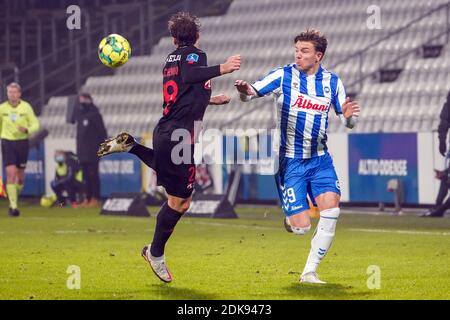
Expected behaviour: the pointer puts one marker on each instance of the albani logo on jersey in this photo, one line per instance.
(303, 102)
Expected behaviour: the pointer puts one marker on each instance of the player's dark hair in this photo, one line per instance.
(184, 27)
(319, 41)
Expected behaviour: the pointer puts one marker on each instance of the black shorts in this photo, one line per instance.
(177, 178)
(15, 152)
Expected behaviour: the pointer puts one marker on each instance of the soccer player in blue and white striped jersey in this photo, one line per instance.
(305, 92)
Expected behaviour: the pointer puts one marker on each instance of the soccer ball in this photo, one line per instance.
(114, 51)
(48, 201)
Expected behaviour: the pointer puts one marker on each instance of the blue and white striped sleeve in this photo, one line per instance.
(271, 83)
(339, 96)
(338, 100)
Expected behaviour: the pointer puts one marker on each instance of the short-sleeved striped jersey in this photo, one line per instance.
(303, 104)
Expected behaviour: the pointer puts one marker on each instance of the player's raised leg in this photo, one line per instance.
(298, 223)
(125, 142)
(292, 191)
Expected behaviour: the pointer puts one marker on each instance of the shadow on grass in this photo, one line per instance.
(158, 292)
(324, 291)
(168, 292)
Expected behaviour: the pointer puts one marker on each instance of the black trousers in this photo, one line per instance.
(441, 206)
(443, 190)
(72, 187)
(91, 178)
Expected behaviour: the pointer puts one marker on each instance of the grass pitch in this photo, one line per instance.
(248, 258)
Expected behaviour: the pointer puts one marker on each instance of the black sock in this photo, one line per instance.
(145, 154)
(165, 223)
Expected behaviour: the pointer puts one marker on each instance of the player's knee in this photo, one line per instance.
(180, 205)
(184, 206)
(328, 219)
(331, 213)
(300, 230)
(11, 174)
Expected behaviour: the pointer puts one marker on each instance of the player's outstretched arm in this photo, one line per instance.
(219, 100)
(246, 91)
(350, 111)
(232, 64)
(195, 74)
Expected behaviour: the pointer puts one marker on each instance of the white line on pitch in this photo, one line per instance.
(87, 231)
(431, 233)
(218, 224)
(412, 232)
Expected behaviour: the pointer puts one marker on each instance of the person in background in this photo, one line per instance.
(17, 123)
(444, 124)
(91, 132)
(68, 178)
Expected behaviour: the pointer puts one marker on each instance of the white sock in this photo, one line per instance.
(322, 238)
(156, 259)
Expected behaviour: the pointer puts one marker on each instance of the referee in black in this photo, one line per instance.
(17, 123)
(187, 93)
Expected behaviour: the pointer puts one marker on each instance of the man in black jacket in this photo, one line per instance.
(91, 132)
(444, 124)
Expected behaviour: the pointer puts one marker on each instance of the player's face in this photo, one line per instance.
(13, 94)
(306, 56)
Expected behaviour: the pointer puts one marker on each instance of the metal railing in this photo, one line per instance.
(359, 55)
(140, 47)
(81, 51)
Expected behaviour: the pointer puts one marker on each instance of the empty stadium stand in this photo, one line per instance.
(262, 31)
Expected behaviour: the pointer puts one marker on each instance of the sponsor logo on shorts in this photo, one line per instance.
(338, 185)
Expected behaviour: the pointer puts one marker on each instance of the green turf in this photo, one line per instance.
(248, 258)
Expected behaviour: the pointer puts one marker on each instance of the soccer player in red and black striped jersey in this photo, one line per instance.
(187, 93)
